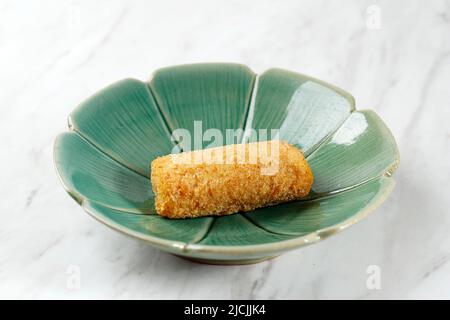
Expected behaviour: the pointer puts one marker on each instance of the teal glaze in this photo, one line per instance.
(104, 160)
(305, 110)
(217, 94)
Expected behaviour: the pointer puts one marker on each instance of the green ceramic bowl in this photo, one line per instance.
(103, 161)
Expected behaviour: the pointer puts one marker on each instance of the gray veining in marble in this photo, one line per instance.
(53, 54)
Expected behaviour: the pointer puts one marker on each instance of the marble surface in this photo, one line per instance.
(394, 56)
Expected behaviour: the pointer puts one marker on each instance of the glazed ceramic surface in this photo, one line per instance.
(104, 159)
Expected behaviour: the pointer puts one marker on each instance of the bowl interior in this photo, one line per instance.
(104, 160)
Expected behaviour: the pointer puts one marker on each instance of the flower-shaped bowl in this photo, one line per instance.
(103, 161)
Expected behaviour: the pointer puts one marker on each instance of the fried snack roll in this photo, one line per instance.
(225, 180)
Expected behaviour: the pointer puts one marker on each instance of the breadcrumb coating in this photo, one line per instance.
(229, 179)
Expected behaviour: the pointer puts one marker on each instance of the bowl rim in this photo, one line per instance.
(183, 248)
(186, 248)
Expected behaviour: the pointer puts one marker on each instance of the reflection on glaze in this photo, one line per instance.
(312, 111)
(351, 130)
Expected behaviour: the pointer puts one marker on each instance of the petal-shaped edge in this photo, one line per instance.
(304, 217)
(124, 122)
(87, 173)
(218, 94)
(382, 188)
(232, 251)
(171, 232)
(304, 109)
(199, 242)
(362, 149)
(268, 234)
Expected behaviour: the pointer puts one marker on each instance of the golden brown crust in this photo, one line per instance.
(225, 180)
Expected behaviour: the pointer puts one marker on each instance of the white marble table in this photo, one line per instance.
(394, 56)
